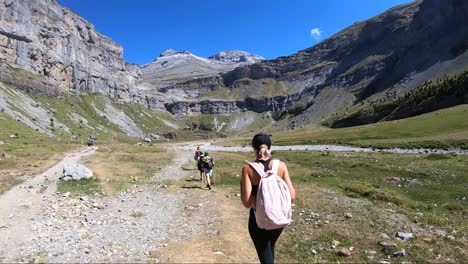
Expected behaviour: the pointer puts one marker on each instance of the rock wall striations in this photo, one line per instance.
(61, 51)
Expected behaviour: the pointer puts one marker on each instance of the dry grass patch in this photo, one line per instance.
(21, 162)
(321, 216)
(119, 167)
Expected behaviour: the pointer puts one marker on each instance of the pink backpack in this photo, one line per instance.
(273, 204)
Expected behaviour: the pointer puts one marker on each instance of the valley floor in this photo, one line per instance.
(141, 224)
(170, 217)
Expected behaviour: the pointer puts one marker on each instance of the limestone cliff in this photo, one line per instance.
(63, 52)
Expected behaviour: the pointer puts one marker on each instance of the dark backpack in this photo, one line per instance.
(207, 163)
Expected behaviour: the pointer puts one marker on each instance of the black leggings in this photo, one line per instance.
(264, 240)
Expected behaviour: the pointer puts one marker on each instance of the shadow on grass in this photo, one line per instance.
(188, 169)
(192, 180)
(193, 187)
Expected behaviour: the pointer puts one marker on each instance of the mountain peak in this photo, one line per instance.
(171, 52)
(168, 52)
(236, 56)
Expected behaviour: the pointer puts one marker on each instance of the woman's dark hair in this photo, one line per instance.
(261, 139)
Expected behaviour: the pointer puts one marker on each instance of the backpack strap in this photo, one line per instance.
(275, 166)
(258, 168)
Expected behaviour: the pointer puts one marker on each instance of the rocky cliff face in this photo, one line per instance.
(236, 57)
(276, 105)
(395, 51)
(61, 49)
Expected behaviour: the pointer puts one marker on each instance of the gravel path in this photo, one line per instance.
(174, 171)
(20, 205)
(38, 224)
(212, 147)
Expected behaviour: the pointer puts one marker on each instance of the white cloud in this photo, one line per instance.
(316, 33)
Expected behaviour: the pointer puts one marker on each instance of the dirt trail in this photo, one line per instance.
(223, 236)
(231, 244)
(20, 203)
(175, 171)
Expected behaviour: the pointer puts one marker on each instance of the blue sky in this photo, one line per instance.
(270, 28)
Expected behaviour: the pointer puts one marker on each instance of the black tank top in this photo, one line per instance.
(266, 165)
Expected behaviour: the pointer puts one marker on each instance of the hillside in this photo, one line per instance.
(392, 53)
(74, 118)
(433, 95)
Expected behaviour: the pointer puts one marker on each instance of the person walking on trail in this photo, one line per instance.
(208, 164)
(264, 239)
(200, 165)
(198, 153)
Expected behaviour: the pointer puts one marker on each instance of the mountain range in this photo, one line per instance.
(49, 50)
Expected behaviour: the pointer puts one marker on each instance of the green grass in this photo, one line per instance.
(88, 122)
(151, 121)
(433, 185)
(28, 155)
(436, 186)
(83, 105)
(440, 129)
(85, 186)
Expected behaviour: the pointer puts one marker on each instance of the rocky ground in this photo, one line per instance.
(174, 219)
(42, 225)
(212, 147)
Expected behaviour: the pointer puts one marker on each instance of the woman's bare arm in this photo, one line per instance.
(287, 179)
(246, 187)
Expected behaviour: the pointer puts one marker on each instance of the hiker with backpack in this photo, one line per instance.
(267, 190)
(200, 165)
(198, 153)
(207, 165)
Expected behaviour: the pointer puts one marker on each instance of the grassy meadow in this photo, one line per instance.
(118, 167)
(440, 129)
(351, 198)
(432, 195)
(385, 193)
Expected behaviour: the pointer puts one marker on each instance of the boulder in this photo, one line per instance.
(400, 253)
(155, 136)
(404, 236)
(344, 252)
(384, 236)
(76, 172)
(387, 247)
(394, 180)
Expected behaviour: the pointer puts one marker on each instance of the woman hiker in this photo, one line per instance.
(264, 240)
